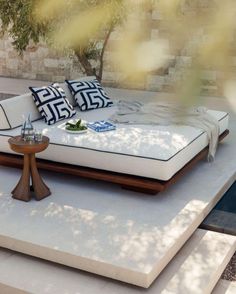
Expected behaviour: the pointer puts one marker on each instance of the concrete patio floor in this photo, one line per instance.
(16, 86)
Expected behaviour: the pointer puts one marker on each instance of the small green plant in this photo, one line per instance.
(78, 126)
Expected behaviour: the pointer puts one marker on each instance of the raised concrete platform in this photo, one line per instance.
(195, 269)
(102, 229)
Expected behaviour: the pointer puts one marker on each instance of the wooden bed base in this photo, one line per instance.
(130, 182)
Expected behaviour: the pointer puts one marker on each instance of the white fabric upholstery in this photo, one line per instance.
(150, 151)
(13, 109)
(4, 124)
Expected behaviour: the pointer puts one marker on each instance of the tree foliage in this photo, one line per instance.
(202, 31)
(31, 20)
(18, 18)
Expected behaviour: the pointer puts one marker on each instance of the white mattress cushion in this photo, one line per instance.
(150, 151)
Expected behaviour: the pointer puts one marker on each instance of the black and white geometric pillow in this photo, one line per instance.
(89, 94)
(52, 103)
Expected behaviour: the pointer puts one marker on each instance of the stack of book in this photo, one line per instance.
(101, 126)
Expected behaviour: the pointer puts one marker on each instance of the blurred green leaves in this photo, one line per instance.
(18, 18)
(203, 31)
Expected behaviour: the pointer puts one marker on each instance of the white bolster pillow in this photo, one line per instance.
(13, 109)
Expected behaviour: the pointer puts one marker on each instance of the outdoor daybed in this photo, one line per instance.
(146, 158)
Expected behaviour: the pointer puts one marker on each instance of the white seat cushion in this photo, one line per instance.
(156, 152)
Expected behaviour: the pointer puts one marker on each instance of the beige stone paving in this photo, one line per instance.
(230, 271)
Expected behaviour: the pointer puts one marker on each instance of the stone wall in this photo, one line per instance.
(37, 62)
(41, 63)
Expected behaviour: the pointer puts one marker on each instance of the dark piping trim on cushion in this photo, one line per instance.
(129, 155)
(6, 117)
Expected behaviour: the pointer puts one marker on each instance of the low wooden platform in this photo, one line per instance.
(130, 182)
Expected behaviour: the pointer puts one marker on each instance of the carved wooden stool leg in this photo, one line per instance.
(40, 189)
(22, 189)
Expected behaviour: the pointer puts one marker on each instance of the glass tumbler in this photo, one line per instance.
(38, 136)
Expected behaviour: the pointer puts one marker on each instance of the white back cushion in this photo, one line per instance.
(13, 109)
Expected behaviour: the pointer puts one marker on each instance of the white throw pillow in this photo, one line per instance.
(52, 103)
(89, 94)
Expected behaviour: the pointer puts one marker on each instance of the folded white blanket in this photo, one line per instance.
(136, 112)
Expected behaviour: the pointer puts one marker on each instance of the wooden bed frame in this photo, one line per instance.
(130, 182)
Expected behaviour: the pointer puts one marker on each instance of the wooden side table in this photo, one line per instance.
(22, 189)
